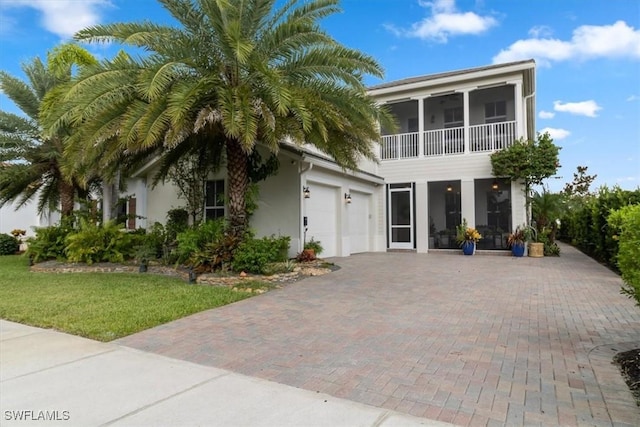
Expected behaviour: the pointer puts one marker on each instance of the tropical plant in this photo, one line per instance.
(98, 243)
(519, 236)
(29, 163)
(50, 242)
(314, 245)
(230, 75)
(466, 234)
(530, 161)
(546, 209)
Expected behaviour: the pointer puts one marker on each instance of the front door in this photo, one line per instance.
(401, 216)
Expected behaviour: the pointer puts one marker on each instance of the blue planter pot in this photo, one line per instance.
(468, 248)
(517, 250)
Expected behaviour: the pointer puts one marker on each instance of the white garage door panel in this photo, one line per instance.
(359, 222)
(322, 216)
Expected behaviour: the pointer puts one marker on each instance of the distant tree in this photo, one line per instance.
(580, 184)
(529, 161)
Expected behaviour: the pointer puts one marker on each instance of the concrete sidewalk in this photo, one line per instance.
(73, 381)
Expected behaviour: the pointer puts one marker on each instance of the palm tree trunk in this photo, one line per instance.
(67, 194)
(238, 176)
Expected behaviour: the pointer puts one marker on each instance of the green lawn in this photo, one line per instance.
(101, 306)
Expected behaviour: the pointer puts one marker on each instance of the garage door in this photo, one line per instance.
(322, 217)
(359, 222)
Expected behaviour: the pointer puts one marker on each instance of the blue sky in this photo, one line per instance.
(587, 51)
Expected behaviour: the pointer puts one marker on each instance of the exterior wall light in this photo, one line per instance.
(347, 198)
(306, 192)
(494, 186)
(449, 188)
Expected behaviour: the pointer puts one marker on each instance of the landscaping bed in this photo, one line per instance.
(629, 364)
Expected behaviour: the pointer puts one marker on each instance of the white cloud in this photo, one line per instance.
(64, 17)
(585, 108)
(626, 179)
(540, 31)
(632, 98)
(445, 21)
(618, 40)
(546, 114)
(556, 133)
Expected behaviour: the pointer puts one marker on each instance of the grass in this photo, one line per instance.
(101, 306)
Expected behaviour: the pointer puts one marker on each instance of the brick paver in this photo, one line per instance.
(481, 340)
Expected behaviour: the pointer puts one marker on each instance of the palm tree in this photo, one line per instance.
(546, 208)
(30, 162)
(234, 74)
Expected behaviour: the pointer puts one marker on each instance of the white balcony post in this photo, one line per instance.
(465, 108)
(420, 127)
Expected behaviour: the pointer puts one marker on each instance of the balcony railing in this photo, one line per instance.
(491, 137)
(400, 146)
(446, 142)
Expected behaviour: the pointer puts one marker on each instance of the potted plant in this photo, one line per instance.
(467, 237)
(312, 248)
(517, 241)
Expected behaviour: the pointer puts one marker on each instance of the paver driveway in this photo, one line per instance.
(482, 340)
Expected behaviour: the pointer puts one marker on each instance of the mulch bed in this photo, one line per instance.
(629, 364)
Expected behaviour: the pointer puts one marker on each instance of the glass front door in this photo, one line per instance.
(401, 216)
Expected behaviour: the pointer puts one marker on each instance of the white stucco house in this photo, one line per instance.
(24, 218)
(429, 177)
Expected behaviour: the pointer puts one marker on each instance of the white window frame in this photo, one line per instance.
(218, 201)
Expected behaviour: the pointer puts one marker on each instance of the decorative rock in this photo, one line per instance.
(243, 274)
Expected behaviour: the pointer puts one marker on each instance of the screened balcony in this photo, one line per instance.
(446, 125)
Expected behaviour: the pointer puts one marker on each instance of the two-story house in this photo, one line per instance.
(437, 169)
(430, 176)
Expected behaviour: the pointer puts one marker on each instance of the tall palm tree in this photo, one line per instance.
(30, 162)
(232, 75)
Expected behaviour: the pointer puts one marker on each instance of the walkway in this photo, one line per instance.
(482, 340)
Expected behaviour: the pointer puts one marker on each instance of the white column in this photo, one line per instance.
(422, 218)
(420, 127)
(519, 109)
(468, 201)
(465, 107)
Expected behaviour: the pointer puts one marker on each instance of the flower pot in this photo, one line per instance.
(517, 250)
(536, 249)
(310, 254)
(468, 248)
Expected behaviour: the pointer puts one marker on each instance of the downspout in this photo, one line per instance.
(526, 122)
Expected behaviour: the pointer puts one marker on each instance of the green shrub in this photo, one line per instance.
(626, 223)
(49, 242)
(194, 239)
(9, 245)
(177, 222)
(94, 243)
(253, 255)
(586, 226)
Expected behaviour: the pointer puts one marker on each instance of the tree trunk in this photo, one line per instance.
(238, 176)
(67, 195)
